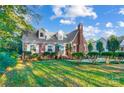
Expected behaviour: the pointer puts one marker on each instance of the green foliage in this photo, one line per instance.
(99, 46)
(35, 55)
(6, 60)
(78, 54)
(93, 54)
(113, 43)
(119, 54)
(90, 47)
(27, 52)
(53, 53)
(12, 27)
(47, 73)
(46, 53)
(50, 53)
(107, 54)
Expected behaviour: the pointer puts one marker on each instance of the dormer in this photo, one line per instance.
(60, 35)
(42, 34)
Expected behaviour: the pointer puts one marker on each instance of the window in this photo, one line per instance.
(41, 34)
(61, 48)
(33, 48)
(49, 48)
(74, 48)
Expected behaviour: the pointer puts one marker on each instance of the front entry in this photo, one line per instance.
(59, 48)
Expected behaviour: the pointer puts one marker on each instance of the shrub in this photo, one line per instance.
(92, 56)
(6, 60)
(27, 52)
(14, 55)
(119, 56)
(46, 53)
(107, 56)
(35, 55)
(50, 54)
(78, 55)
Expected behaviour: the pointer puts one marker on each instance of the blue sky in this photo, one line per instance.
(99, 21)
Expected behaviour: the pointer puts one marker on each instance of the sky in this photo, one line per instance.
(98, 21)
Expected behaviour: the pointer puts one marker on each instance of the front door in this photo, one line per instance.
(59, 49)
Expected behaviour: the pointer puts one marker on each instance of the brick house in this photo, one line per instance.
(43, 41)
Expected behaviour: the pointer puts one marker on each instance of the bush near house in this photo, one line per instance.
(35, 55)
(49, 55)
(27, 55)
(77, 55)
(92, 56)
(27, 52)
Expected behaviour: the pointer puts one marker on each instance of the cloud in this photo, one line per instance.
(121, 11)
(90, 31)
(108, 33)
(57, 11)
(109, 24)
(64, 21)
(97, 23)
(121, 23)
(80, 11)
(72, 12)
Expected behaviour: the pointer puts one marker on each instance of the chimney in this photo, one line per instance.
(80, 46)
(80, 32)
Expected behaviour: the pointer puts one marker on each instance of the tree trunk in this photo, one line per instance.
(117, 59)
(107, 60)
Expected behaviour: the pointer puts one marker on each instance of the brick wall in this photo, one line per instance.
(79, 40)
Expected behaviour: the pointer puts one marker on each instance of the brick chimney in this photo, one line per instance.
(80, 46)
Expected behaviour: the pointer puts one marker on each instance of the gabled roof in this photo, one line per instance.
(31, 37)
(102, 38)
(122, 44)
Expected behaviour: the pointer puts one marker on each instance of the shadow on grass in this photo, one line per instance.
(60, 73)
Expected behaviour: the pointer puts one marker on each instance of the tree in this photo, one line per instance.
(113, 43)
(119, 56)
(12, 25)
(78, 55)
(90, 47)
(99, 46)
(92, 56)
(107, 56)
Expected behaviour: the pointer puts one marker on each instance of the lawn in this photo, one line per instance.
(61, 73)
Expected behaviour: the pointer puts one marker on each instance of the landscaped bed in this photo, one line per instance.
(64, 73)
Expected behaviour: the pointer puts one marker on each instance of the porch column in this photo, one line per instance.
(64, 45)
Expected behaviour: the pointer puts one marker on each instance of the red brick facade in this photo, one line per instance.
(79, 40)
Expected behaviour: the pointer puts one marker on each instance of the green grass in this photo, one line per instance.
(60, 73)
